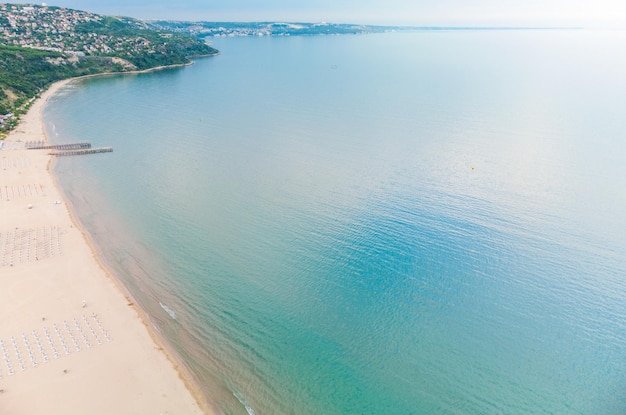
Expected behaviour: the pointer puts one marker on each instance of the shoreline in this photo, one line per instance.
(139, 352)
(64, 82)
(135, 72)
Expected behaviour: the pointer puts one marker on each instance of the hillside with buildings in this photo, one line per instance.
(42, 44)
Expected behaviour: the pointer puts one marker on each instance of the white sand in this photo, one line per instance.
(121, 369)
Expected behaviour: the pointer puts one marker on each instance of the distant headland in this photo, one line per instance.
(41, 44)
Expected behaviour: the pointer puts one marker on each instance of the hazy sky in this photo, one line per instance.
(495, 12)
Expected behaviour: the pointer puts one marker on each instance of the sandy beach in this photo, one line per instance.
(71, 341)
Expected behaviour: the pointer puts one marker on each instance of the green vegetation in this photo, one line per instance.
(41, 45)
(144, 48)
(25, 72)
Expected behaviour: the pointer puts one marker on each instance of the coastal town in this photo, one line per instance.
(260, 29)
(41, 44)
(68, 31)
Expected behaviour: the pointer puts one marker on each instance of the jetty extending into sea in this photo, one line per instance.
(42, 145)
(82, 151)
(72, 149)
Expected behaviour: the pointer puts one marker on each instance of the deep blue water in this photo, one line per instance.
(423, 223)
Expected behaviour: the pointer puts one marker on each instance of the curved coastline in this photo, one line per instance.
(138, 352)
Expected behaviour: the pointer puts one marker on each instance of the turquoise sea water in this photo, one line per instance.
(423, 223)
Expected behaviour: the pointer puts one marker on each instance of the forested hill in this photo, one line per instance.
(41, 44)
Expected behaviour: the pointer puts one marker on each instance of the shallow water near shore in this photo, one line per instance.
(422, 223)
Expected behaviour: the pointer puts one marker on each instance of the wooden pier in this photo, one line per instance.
(43, 146)
(80, 152)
